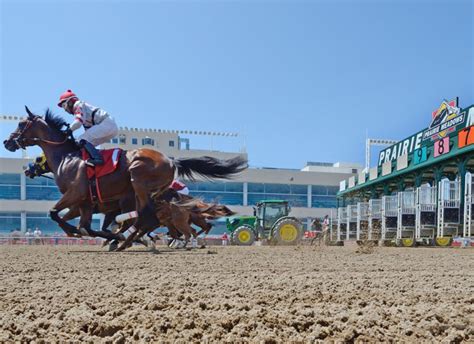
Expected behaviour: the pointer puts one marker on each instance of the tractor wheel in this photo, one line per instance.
(407, 242)
(443, 241)
(287, 232)
(243, 236)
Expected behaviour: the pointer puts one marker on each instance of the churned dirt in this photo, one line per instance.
(236, 294)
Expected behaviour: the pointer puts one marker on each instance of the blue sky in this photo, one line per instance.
(300, 80)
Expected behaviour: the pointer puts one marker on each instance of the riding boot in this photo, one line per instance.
(95, 156)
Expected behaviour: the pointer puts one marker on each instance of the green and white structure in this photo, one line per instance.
(421, 188)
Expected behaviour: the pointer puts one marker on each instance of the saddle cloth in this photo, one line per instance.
(111, 159)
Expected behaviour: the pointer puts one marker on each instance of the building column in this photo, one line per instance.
(23, 221)
(309, 198)
(22, 186)
(245, 200)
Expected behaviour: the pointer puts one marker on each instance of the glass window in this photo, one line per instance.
(277, 188)
(42, 188)
(234, 187)
(122, 139)
(299, 189)
(256, 187)
(171, 143)
(294, 200)
(324, 202)
(148, 141)
(10, 179)
(9, 222)
(114, 140)
(10, 186)
(134, 141)
(209, 186)
(218, 192)
(319, 190)
(43, 193)
(230, 198)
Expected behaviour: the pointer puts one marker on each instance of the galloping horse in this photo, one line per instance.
(142, 172)
(174, 210)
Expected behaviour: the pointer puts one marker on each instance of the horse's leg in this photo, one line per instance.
(180, 219)
(67, 201)
(108, 219)
(201, 222)
(72, 213)
(148, 175)
(86, 221)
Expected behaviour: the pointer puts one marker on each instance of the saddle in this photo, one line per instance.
(111, 161)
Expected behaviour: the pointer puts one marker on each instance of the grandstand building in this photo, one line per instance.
(311, 191)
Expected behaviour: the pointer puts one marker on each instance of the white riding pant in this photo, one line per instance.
(101, 133)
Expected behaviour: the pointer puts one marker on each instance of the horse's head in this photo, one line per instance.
(30, 131)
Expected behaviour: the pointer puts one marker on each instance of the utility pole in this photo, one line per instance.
(375, 142)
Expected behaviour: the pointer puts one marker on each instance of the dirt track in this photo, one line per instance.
(257, 294)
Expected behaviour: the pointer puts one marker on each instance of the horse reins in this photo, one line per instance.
(19, 140)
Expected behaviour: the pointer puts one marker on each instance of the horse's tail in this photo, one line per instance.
(210, 167)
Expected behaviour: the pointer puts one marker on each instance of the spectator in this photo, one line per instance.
(56, 237)
(15, 234)
(326, 223)
(37, 233)
(29, 236)
(225, 238)
(316, 225)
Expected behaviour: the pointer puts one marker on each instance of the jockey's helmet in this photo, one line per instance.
(65, 97)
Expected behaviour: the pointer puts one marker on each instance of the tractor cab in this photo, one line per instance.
(268, 212)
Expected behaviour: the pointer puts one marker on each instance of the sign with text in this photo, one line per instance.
(446, 119)
(441, 147)
(466, 137)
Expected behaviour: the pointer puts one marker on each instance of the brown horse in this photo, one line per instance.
(174, 210)
(177, 212)
(141, 172)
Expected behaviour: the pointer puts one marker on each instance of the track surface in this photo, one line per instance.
(254, 294)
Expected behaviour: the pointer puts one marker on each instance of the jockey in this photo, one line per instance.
(38, 168)
(179, 187)
(99, 126)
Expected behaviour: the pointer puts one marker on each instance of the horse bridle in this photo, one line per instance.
(20, 141)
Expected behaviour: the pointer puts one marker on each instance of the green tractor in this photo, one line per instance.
(270, 221)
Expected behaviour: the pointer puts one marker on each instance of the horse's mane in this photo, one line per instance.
(57, 123)
(54, 121)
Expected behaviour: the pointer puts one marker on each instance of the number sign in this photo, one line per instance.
(441, 147)
(466, 137)
(419, 156)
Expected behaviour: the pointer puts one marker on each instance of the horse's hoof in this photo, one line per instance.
(177, 244)
(123, 247)
(113, 246)
(148, 242)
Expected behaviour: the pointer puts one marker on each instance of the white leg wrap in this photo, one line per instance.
(178, 243)
(127, 216)
(148, 242)
(129, 232)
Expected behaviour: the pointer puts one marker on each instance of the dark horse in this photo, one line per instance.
(140, 172)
